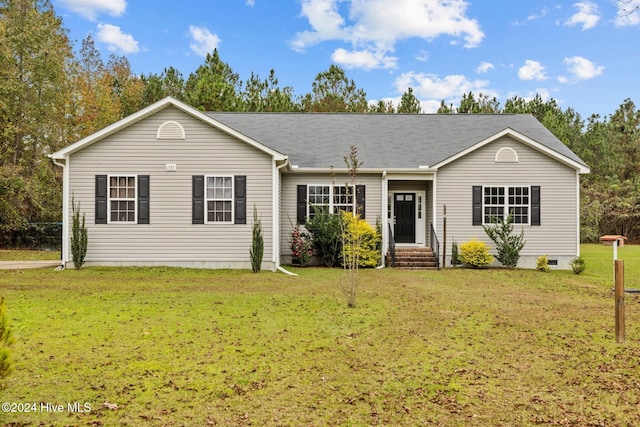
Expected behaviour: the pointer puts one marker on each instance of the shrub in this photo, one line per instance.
(508, 246)
(578, 265)
(455, 256)
(361, 241)
(79, 236)
(6, 340)
(475, 253)
(301, 246)
(256, 252)
(324, 226)
(543, 264)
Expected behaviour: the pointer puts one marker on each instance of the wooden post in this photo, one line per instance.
(444, 238)
(619, 291)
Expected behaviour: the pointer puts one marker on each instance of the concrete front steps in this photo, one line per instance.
(413, 258)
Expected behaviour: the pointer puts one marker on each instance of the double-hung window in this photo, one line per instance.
(219, 199)
(334, 198)
(122, 199)
(500, 202)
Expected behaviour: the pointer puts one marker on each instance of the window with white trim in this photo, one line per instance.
(335, 198)
(499, 202)
(122, 199)
(219, 198)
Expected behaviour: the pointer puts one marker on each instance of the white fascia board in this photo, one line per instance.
(415, 171)
(152, 109)
(582, 169)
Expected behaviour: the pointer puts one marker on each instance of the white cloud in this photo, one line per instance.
(363, 59)
(377, 25)
(484, 67)
(431, 89)
(587, 15)
(90, 9)
(628, 13)
(583, 69)
(203, 41)
(534, 16)
(250, 3)
(531, 70)
(116, 40)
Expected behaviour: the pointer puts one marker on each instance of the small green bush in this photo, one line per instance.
(475, 253)
(256, 251)
(543, 264)
(508, 245)
(325, 228)
(578, 265)
(301, 246)
(79, 236)
(361, 241)
(455, 255)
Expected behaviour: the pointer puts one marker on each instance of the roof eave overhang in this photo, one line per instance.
(418, 170)
(579, 167)
(149, 111)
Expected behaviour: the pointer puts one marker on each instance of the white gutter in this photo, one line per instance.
(65, 209)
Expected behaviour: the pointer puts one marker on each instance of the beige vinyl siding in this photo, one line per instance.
(557, 236)
(171, 238)
(290, 181)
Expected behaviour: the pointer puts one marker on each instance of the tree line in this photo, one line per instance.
(52, 95)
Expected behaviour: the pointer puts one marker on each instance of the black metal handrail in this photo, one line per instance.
(435, 246)
(392, 247)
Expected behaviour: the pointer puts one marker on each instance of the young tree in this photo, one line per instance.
(508, 245)
(351, 237)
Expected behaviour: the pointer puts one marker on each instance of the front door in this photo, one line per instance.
(404, 209)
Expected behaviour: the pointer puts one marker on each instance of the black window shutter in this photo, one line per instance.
(302, 204)
(101, 199)
(535, 205)
(143, 199)
(240, 199)
(360, 200)
(477, 205)
(197, 197)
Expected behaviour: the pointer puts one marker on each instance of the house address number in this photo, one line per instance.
(171, 167)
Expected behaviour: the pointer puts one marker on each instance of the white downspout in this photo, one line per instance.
(65, 209)
(384, 221)
(276, 218)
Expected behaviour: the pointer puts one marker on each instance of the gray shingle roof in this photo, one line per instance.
(383, 140)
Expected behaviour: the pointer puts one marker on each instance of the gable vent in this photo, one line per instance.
(171, 130)
(506, 155)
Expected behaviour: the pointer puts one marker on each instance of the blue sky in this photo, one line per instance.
(584, 54)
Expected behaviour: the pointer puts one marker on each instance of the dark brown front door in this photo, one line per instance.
(404, 209)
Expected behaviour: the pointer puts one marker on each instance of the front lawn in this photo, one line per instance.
(195, 347)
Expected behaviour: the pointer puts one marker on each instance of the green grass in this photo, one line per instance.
(195, 347)
(28, 255)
